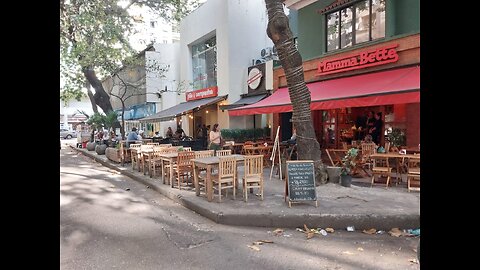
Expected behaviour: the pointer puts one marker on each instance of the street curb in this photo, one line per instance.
(336, 221)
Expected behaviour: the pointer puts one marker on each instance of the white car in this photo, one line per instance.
(67, 134)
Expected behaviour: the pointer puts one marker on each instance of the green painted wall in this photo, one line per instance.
(293, 21)
(407, 16)
(402, 17)
(311, 24)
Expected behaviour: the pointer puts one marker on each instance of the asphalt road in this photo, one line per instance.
(109, 221)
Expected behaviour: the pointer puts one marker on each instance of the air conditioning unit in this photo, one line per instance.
(266, 52)
(259, 61)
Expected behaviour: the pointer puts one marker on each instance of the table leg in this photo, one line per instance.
(163, 170)
(209, 184)
(171, 173)
(195, 179)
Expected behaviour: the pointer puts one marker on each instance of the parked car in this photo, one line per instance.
(67, 134)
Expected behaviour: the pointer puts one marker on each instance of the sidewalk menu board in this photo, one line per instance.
(301, 181)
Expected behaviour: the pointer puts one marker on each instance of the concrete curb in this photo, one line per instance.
(336, 221)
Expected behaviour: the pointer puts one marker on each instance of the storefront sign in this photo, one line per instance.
(202, 93)
(254, 78)
(369, 58)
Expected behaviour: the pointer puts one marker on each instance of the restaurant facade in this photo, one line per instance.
(215, 52)
(358, 56)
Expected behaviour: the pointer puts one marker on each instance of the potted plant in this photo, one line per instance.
(348, 165)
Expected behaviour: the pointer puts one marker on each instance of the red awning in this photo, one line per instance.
(378, 88)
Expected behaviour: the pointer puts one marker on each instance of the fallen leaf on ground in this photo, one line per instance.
(306, 228)
(310, 235)
(413, 261)
(371, 231)
(360, 249)
(266, 241)
(254, 248)
(278, 231)
(330, 230)
(261, 242)
(395, 232)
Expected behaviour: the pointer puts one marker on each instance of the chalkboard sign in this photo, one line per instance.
(301, 181)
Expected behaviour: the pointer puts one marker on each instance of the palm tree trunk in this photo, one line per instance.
(278, 30)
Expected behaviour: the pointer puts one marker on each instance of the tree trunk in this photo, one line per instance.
(101, 98)
(278, 30)
(92, 99)
(122, 128)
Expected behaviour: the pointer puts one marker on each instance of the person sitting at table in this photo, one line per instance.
(293, 139)
(133, 136)
(169, 133)
(157, 134)
(179, 133)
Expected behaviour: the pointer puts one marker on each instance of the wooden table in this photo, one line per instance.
(236, 148)
(208, 163)
(394, 155)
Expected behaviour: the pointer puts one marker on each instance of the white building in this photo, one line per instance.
(70, 114)
(150, 28)
(218, 42)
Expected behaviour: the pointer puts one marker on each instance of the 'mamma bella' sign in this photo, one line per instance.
(380, 56)
(202, 93)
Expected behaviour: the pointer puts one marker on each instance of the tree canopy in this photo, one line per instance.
(94, 39)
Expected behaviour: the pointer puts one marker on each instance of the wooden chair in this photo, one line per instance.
(204, 153)
(166, 145)
(335, 156)
(381, 168)
(253, 175)
(248, 150)
(184, 168)
(387, 147)
(221, 153)
(246, 144)
(413, 174)
(153, 143)
(156, 161)
(202, 177)
(143, 158)
(135, 155)
(367, 150)
(226, 177)
(266, 152)
(166, 173)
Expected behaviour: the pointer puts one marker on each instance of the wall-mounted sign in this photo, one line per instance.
(260, 78)
(202, 93)
(254, 78)
(375, 57)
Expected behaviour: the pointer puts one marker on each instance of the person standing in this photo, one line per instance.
(361, 124)
(205, 135)
(215, 138)
(377, 128)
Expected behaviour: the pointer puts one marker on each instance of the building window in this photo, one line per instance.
(363, 21)
(204, 64)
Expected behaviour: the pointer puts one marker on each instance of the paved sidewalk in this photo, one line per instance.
(338, 207)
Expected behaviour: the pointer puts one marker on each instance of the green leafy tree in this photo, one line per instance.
(94, 40)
